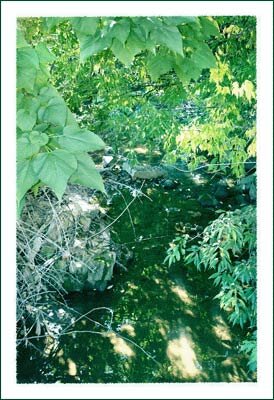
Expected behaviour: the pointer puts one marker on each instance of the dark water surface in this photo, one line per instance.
(159, 324)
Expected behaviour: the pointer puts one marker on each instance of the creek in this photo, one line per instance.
(154, 323)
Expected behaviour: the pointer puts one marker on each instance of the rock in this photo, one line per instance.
(146, 172)
(102, 272)
(74, 255)
(222, 192)
(107, 160)
(206, 200)
(170, 184)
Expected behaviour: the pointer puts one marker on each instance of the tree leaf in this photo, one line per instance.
(25, 120)
(86, 173)
(121, 52)
(179, 20)
(121, 30)
(209, 27)
(75, 140)
(38, 138)
(45, 56)
(55, 112)
(27, 67)
(158, 65)
(51, 22)
(90, 45)
(203, 57)
(84, 25)
(186, 69)
(168, 36)
(29, 144)
(26, 178)
(20, 39)
(54, 169)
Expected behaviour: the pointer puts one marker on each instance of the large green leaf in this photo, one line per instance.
(19, 206)
(209, 27)
(30, 104)
(84, 25)
(26, 178)
(20, 39)
(203, 57)
(45, 56)
(47, 93)
(90, 45)
(121, 52)
(27, 57)
(26, 78)
(54, 169)
(86, 173)
(51, 22)
(179, 20)
(55, 112)
(186, 70)
(158, 65)
(25, 120)
(29, 144)
(120, 30)
(168, 36)
(76, 140)
(42, 77)
(27, 67)
(134, 44)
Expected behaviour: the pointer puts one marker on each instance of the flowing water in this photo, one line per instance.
(154, 323)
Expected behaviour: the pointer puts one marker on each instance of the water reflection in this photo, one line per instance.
(165, 326)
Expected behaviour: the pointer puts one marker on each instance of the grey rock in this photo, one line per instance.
(206, 200)
(146, 172)
(169, 184)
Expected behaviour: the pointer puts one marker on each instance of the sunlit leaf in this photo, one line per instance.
(86, 173)
(54, 169)
(77, 140)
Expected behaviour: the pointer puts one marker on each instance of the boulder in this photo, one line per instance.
(170, 183)
(71, 243)
(207, 200)
(146, 172)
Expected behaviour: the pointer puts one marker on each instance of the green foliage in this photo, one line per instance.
(224, 136)
(48, 136)
(127, 37)
(176, 249)
(249, 346)
(227, 248)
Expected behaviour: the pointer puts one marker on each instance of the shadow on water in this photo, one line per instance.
(165, 325)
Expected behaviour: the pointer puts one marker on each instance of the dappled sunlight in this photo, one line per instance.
(132, 286)
(141, 150)
(72, 368)
(162, 327)
(182, 294)
(120, 346)
(234, 372)
(183, 358)
(198, 179)
(189, 312)
(129, 329)
(221, 329)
